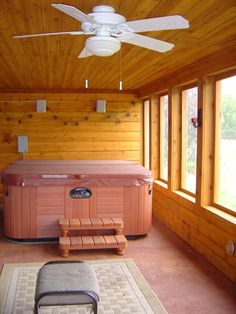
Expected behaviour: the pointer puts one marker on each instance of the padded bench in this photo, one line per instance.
(66, 283)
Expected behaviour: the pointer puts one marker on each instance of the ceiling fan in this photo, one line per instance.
(110, 29)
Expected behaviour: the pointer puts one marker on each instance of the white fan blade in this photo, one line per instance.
(75, 13)
(50, 34)
(85, 53)
(148, 42)
(158, 23)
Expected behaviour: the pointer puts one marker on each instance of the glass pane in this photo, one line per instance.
(164, 138)
(227, 160)
(189, 148)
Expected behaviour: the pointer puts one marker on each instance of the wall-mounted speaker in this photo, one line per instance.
(41, 105)
(22, 144)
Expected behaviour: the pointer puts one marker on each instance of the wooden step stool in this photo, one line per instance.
(67, 242)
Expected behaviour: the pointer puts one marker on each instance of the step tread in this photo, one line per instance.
(90, 223)
(92, 242)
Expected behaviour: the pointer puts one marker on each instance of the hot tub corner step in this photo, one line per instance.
(117, 242)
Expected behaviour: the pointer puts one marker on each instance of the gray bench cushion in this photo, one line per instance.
(63, 283)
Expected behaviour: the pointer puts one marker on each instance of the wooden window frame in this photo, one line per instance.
(160, 136)
(208, 148)
(217, 95)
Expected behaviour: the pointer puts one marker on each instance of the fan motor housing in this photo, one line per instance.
(104, 9)
(105, 14)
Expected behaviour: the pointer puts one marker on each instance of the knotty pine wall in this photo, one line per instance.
(206, 230)
(71, 128)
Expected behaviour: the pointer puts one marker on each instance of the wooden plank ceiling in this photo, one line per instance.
(51, 63)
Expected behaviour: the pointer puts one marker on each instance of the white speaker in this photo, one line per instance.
(22, 143)
(41, 105)
(101, 105)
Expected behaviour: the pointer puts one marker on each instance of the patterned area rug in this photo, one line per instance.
(122, 290)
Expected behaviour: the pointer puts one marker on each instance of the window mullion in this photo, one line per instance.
(174, 150)
(207, 145)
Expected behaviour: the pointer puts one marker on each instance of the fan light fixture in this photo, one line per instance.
(102, 46)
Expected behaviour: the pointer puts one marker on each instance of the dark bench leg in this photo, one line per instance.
(36, 308)
(95, 308)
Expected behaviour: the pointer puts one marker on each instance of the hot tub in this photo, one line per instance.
(39, 192)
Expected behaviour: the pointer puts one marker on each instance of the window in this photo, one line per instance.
(225, 163)
(189, 140)
(198, 164)
(163, 140)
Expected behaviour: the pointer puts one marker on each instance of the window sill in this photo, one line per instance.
(161, 183)
(221, 213)
(186, 196)
(179, 193)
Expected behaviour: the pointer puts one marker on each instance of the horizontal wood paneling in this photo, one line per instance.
(13, 117)
(127, 155)
(83, 106)
(71, 128)
(82, 137)
(56, 98)
(207, 232)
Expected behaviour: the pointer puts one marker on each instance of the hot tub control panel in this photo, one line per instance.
(80, 193)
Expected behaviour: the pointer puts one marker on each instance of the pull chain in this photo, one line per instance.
(86, 70)
(120, 82)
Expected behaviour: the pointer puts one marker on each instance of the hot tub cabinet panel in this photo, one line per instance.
(20, 212)
(137, 210)
(32, 208)
(50, 206)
